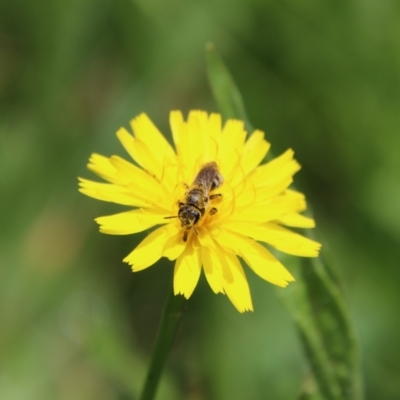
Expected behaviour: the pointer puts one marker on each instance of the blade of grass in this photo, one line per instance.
(315, 301)
(226, 94)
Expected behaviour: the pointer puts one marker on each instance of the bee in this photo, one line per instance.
(197, 198)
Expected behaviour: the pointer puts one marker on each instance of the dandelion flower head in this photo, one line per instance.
(249, 206)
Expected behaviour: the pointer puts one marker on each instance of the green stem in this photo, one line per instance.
(166, 334)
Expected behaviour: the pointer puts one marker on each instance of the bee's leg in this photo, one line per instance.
(185, 235)
(215, 196)
(195, 231)
(213, 211)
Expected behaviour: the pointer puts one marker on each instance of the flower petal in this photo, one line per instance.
(269, 210)
(277, 169)
(211, 262)
(175, 122)
(174, 245)
(230, 146)
(246, 194)
(148, 133)
(109, 192)
(142, 184)
(193, 144)
(148, 251)
(197, 122)
(210, 131)
(102, 167)
(265, 265)
(212, 269)
(123, 173)
(185, 154)
(126, 173)
(280, 238)
(130, 222)
(233, 136)
(163, 154)
(213, 130)
(235, 282)
(187, 271)
(257, 257)
(296, 220)
(139, 151)
(270, 190)
(254, 151)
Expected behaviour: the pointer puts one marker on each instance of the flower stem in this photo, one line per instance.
(166, 334)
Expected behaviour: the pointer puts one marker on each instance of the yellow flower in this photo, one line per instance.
(249, 206)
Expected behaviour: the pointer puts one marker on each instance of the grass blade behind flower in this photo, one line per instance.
(315, 301)
(226, 94)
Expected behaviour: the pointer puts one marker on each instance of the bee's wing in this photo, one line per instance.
(206, 175)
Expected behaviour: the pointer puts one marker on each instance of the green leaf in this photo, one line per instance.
(226, 94)
(334, 324)
(310, 390)
(318, 309)
(315, 301)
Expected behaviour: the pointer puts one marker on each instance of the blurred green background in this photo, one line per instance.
(321, 77)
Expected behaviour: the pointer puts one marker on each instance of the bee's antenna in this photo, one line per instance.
(173, 216)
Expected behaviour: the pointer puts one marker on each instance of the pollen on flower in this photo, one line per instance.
(210, 201)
